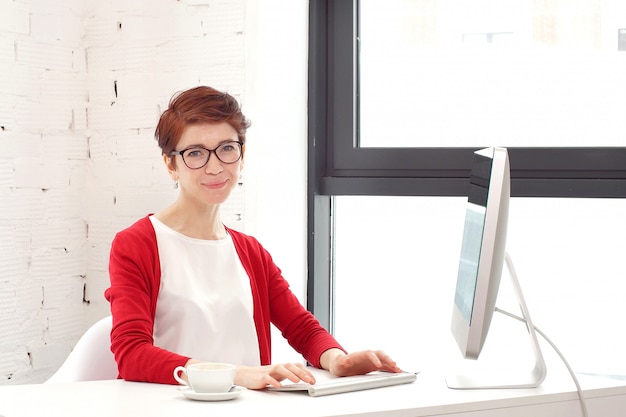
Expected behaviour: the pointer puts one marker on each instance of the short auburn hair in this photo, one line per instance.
(198, 105)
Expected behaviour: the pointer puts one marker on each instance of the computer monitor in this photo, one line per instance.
(483, 255)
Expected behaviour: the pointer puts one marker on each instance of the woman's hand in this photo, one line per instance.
(357, 363)
(259, 377)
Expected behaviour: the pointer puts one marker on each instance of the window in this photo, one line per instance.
(514, 73)
(590, 166)
(349, 155)
(396, 263)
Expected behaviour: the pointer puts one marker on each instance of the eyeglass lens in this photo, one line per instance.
(228, 153)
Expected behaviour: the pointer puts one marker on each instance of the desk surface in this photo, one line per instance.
(427, 396)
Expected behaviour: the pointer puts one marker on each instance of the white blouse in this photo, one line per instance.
(204, 307)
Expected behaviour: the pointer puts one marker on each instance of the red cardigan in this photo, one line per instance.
(135, 274)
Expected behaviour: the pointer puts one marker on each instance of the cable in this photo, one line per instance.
(581, 397)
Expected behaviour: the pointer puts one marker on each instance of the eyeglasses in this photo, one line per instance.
(197, 157)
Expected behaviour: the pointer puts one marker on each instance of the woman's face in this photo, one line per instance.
(212, 183)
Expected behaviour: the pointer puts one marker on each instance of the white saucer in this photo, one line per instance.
(213, 396)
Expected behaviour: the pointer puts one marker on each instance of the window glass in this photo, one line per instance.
(474, 73)
(396, 261)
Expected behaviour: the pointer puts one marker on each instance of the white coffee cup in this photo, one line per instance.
(205, 377)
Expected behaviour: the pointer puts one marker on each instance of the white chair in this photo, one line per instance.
(91, 359)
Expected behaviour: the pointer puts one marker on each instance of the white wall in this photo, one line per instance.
(276, 169)
(82, 85)
(43, 179)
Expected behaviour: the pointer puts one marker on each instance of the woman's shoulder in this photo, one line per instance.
(141, 229)
(252, 254)
(247, 242)
(241, 237)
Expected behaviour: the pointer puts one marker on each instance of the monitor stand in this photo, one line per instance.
(484, 379)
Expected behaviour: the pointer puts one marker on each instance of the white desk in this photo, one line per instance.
(427, 396)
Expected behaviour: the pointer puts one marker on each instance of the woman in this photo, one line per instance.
(185, 288)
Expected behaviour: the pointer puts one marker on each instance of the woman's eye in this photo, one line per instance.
(195, 153)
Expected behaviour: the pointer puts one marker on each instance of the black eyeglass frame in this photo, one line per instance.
(210, 151)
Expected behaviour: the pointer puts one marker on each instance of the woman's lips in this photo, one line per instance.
(215, 184)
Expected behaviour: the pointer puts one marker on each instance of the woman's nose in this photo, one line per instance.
(213, 165)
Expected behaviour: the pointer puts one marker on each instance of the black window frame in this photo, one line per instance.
(337, 166)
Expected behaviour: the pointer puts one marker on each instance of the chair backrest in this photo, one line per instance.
(91, 359)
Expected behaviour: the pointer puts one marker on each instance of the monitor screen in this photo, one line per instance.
(482, 250)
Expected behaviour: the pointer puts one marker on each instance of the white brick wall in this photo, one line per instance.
(81, 86)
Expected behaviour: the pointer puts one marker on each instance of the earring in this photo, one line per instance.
(175, 184)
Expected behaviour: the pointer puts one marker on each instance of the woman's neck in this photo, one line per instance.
(193, 221)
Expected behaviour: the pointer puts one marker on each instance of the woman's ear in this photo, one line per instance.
(171, 168)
